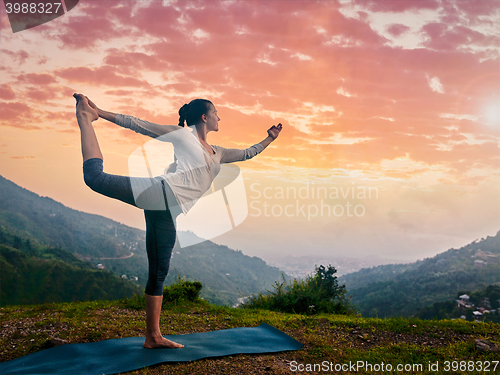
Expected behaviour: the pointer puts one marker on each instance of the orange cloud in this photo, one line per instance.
(18, 115)
(103, 76)
(6, 92)
(36, 78)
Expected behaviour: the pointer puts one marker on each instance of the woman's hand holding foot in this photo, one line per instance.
(92, 104)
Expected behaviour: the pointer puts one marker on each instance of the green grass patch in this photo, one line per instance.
(327, 338)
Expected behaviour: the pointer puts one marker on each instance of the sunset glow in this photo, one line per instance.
(402, 96)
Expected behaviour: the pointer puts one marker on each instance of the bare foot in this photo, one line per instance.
(161, 342)
(83, 109)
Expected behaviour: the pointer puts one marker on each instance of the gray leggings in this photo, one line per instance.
(160, 223)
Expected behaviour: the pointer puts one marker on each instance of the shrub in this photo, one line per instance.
(316, 294)
(182, 290)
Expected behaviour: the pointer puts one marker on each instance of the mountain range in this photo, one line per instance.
(38, 226)
(46, 246)
(404, 289)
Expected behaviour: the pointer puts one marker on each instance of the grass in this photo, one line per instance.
(336, 339)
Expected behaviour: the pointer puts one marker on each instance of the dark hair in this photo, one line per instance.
(192, 112)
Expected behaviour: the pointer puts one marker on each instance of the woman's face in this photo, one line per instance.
(212, 119)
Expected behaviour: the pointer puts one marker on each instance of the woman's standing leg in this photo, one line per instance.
(160, 240)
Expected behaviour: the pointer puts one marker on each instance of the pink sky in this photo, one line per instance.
(399, 95)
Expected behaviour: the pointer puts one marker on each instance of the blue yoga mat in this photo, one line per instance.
(127, 354)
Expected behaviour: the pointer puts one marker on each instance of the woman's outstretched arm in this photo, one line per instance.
(233, 155)
(273, 133)
(133, 123)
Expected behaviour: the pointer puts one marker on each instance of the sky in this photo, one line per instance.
(390, 113)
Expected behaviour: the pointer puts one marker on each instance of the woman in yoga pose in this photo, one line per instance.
(166, 196)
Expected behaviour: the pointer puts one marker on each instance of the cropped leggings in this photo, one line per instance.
(160, 219)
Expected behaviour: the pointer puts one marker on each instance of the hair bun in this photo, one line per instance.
(184, 109)
(182, 114)
(191, 113)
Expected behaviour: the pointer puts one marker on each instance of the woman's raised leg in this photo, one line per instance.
(85, 114)
(145, 193)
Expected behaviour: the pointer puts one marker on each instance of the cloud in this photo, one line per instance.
(126, 93)
(6, 92)
(441, 36)
(474, 8)
(35, 88)
(130, 62)
(19, 115)
(38, 95)
(62, 116)
(15, 110)
(435, 84)
(102, 76)
(158, 19)
(397, 29)
(36, 78)
(342, 91)
(19, 56)
(458, 117)
(92, 24)
(46, 93)
(398, 6)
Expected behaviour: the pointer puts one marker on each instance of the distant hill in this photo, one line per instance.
(44, 277)
(54, 224)
(486, 301)
(226, 274)
(404, 289)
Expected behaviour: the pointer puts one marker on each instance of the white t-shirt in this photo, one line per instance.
(195, 167)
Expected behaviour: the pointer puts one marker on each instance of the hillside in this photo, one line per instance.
(225, 273)
(485, 303)
(54, 224)
(45, 278)
(404, 289)
(331, 339)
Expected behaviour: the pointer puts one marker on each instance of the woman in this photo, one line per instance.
(166, 196)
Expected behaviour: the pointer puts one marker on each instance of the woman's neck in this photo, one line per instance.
(201, 130)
